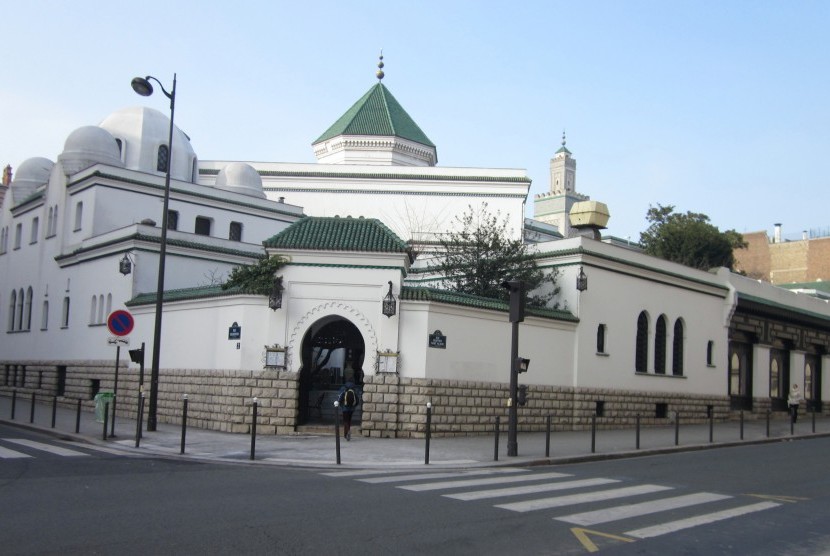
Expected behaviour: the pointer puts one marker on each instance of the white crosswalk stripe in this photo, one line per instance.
(482, 482)
(680, 524)
(643, 508)
(530, 489)
(425, 476)
(43, 447)
(6, 453)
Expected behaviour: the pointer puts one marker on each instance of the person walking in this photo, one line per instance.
(792, 402)
(349, 399)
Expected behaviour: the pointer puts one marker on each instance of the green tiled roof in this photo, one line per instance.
(200, 292)
(455, 298)
(377, 113)
(338, 234)
(819, 286)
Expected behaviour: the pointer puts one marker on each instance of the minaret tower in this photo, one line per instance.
(554, 206)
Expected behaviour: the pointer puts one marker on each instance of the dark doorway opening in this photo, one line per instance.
(332, 353)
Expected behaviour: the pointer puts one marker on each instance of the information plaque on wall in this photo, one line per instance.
(437, 340)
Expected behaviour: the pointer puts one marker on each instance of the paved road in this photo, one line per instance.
(754, 499)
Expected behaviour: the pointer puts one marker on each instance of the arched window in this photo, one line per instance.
(660, 346)
(100, 309)
(710, 348)
(50, 218)
(93, 309)
(44, 316)
(235, 231)
(109, 305)
(12, 304)
(163, 158)
(65, 315)
(28, 309)
(55, 221)
(79, 215)
(641, 348)
(677, 349)
(601, 338)
(21, 299)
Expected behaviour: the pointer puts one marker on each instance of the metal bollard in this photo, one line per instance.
(676, 428)
(139, 419)
(106, 419)
(54, 409)
(112, 425)
(711, 426)
(547, 438)
(593, 433)
(78, 418)
(14, 402)
(429, 432)
(496, 449)
(184, 422)
(637, 443)
(32, 409)
(814, 421)
(253, 430)
(337, 430)
(768, 412)
(742, 424)
(792, 422)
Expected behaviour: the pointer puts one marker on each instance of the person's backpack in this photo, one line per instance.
(349, 398)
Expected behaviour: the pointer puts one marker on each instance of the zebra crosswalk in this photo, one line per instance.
(24, 448)
(653, 509)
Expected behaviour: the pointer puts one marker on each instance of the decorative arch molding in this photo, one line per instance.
(339, 309)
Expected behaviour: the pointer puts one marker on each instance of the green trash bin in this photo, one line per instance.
(102, 399)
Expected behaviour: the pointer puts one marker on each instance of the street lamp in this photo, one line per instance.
(142, 86)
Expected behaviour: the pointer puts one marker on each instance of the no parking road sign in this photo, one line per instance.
(120, 322)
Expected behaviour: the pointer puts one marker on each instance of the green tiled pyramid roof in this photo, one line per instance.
(377, 113)
(324, 233)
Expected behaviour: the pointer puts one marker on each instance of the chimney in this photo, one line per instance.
(776, 237)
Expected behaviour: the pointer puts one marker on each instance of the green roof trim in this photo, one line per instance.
(324, 233)
(818, 286)
(377, 113)
(437, 295)
(184, 294)
(814, 317)
(372, 176)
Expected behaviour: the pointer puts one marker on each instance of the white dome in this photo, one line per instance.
(141, 131)
(87, 146)
(240, 178)
(31, 174)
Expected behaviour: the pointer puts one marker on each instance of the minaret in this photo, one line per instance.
(554, 206)
(562, 171)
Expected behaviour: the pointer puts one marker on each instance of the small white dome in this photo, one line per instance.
(142, 130)
(87, 146)
(31, 174)
(240, 178)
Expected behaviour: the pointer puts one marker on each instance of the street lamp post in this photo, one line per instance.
(142, 86)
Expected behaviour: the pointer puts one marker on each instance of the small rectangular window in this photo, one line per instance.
(79, 215)
(65, 315)
(600, 408)
(235, 232)
(172, 220)
(661, 410)
(202, 226)
(18, 234)
(61, 388)
(94, 387)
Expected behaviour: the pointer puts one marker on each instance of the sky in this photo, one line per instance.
(714, 107)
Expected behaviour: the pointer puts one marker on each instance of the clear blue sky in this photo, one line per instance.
(719, 107)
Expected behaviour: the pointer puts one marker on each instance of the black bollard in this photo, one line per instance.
(78, 418)
(428, 432)
(14, 402)
(814, 421)
(112, 425)
(768, 412)
(496, 449)
(792, 422)
(139, 419)
(742, 424)
(711, 426)
(184, 422)
(32, 409)
(106, 419)
(337, 430)
(547, 438)
(676, 428)
(54, 409)
(593, 433)
(253, 430)
(637, 442)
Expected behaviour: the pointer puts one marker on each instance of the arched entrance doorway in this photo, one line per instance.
(332, 352)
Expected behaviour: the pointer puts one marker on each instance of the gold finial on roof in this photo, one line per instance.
(380, 73)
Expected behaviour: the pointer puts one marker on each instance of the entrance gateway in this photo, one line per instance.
(332, 353)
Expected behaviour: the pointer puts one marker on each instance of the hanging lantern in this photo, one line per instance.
(275, 298)
(125, 266)
(582, 280)
(389, 304)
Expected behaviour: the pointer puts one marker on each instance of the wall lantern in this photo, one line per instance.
(125, 266)
(275, 298)
(522, 364)
(389, 304)
(582, 280)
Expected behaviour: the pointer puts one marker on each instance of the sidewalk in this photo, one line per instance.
(320, 450)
